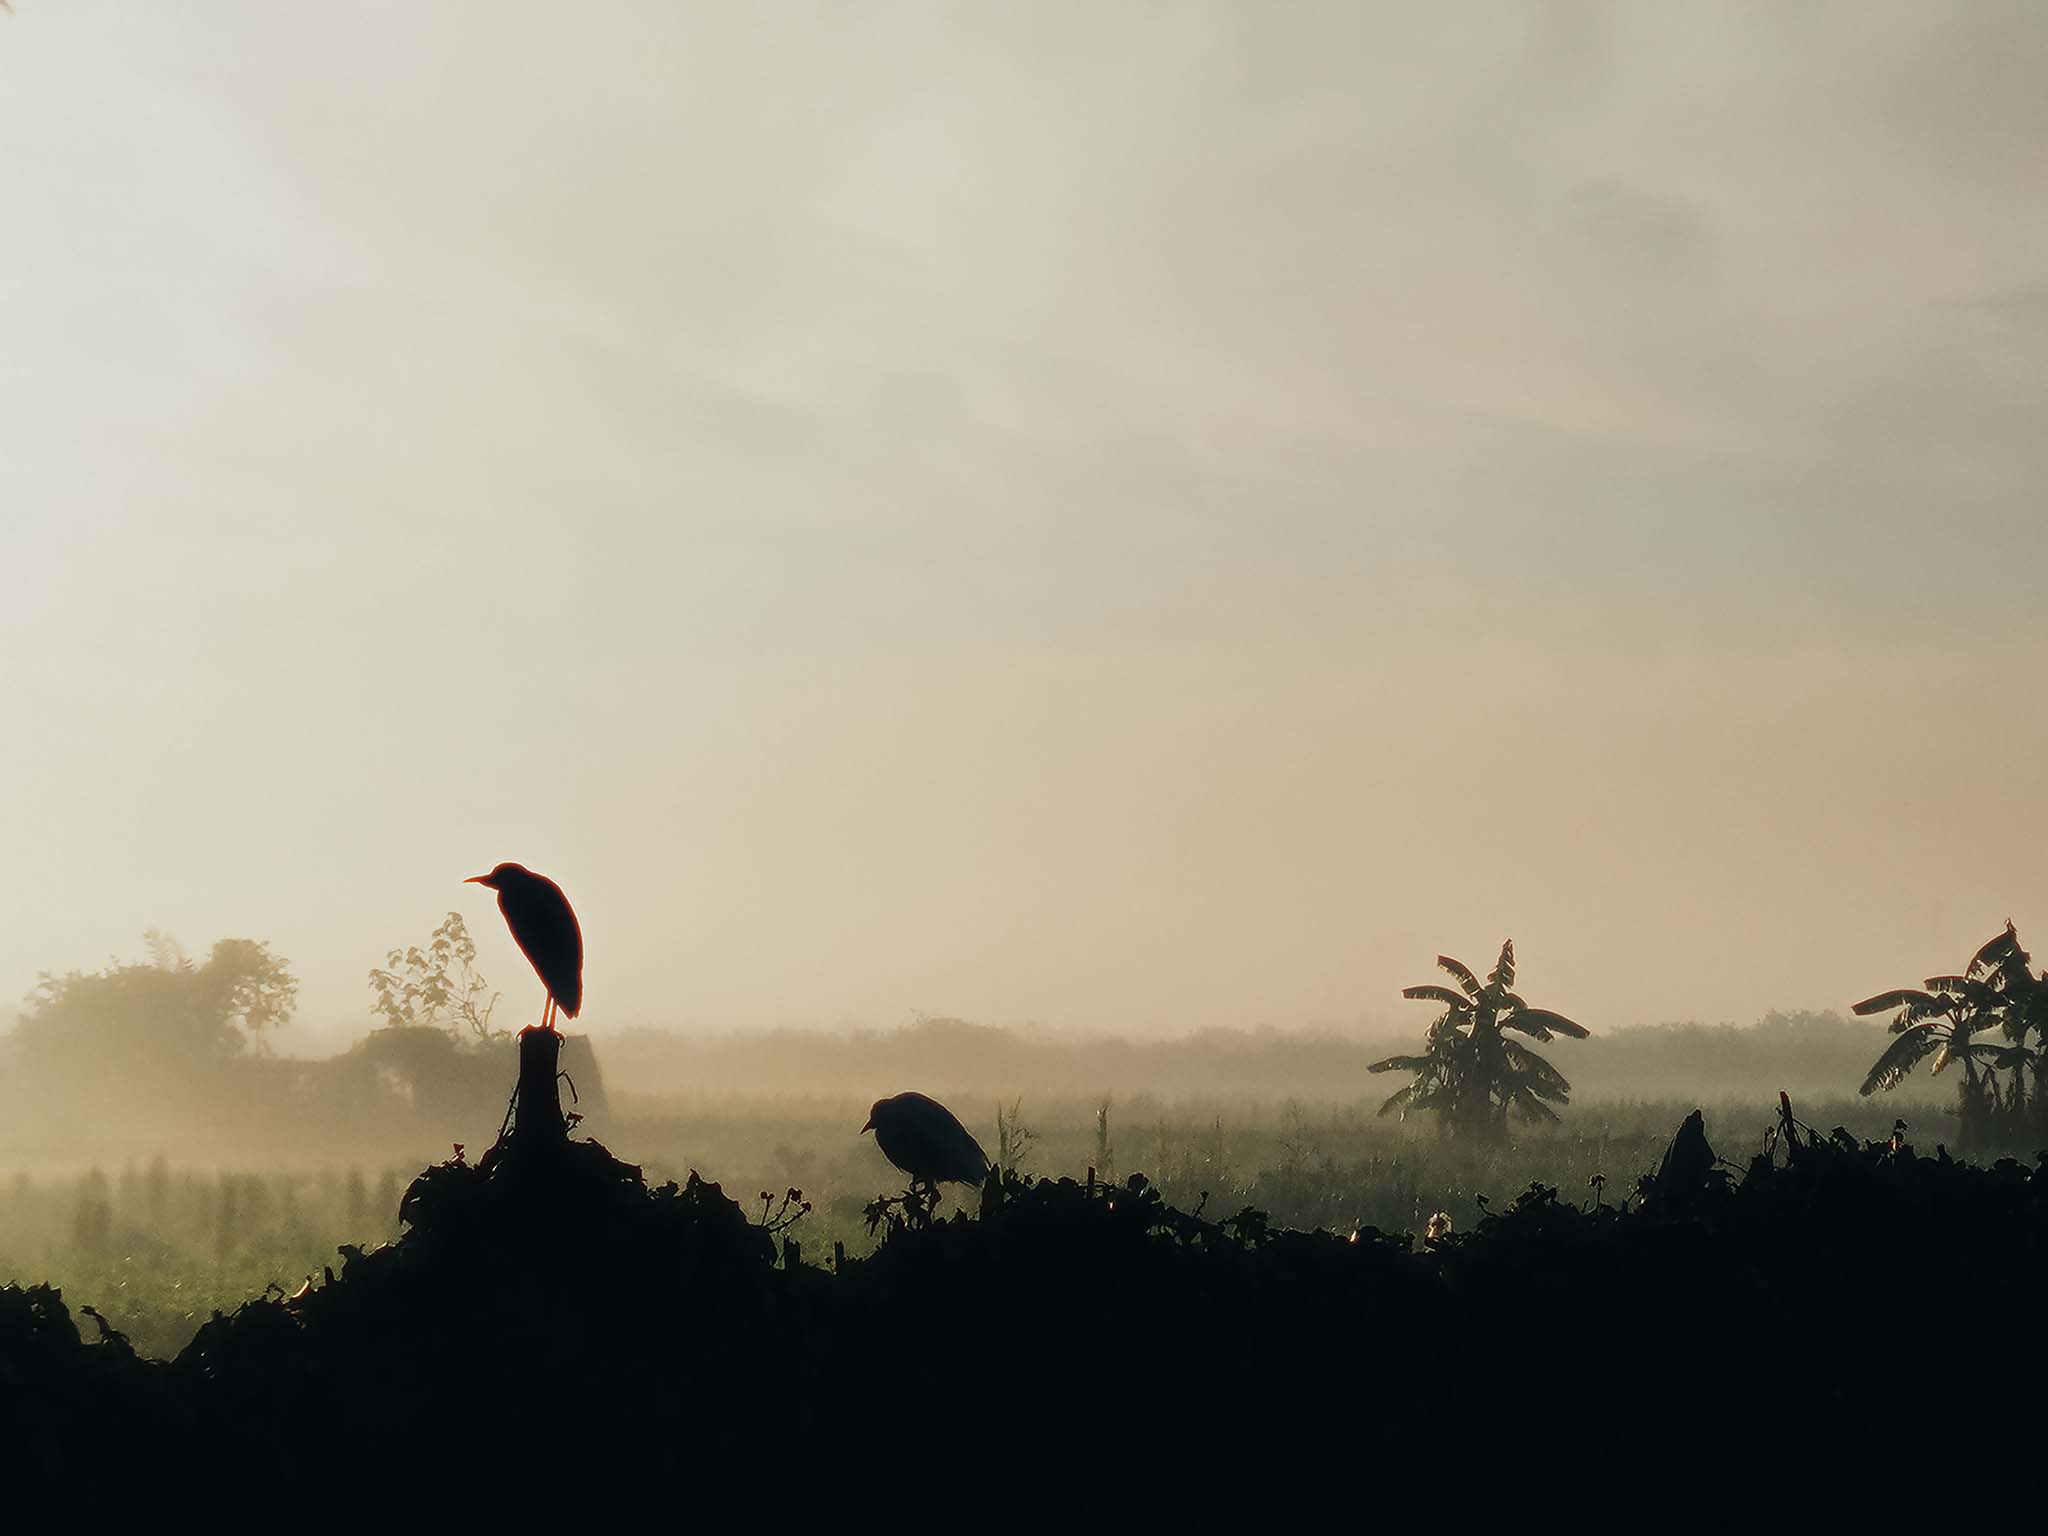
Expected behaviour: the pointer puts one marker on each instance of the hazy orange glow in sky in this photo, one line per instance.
(1120, 516)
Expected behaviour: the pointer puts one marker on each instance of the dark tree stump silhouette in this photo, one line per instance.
(537, 1116)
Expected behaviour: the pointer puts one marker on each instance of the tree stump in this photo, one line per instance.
(537, 1116)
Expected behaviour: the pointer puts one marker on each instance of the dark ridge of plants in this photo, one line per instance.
(549, 1328)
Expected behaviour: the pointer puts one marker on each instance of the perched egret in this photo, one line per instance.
(924, 1138)
(544, 927)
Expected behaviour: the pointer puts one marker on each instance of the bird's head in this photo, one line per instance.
(497, 878)
(875, 1111)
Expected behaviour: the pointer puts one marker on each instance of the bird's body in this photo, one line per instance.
(926, 1140)
(544, 927)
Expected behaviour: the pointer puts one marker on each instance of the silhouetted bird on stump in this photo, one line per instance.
(923, 1138)
(544, 927)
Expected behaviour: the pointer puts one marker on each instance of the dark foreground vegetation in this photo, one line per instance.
(550, 1331)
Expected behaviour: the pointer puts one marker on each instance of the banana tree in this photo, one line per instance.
(1982, 1019)
(1471, 1072)
(2022, 1007)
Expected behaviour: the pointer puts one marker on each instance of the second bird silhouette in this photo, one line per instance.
(544, 927)
(926, 1140)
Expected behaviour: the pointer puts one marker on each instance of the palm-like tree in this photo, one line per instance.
(2022, 1004)
(1947, 1018)
(1471, 1073)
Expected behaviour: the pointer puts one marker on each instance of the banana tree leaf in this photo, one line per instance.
(1436, 994)
(1884, 1002)
(2004, 945)
(1943, 1007)
(1900, 1057)
(1462, 972)
(1543, 1018)
(1533, 1072)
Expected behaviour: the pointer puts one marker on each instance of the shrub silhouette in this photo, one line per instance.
(549, 1331)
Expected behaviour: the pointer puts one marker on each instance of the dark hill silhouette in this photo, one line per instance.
(549, 1331)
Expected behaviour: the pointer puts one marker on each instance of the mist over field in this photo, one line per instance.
(368, 1101)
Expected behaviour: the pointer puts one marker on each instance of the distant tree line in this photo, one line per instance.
(146, 1052)
(175, 1035)
(165, 1014)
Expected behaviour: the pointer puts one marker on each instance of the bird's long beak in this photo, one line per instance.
(869, 1126)
(478, 880)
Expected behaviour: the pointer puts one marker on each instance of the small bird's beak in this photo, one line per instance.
(478, 880)
(869, 1126)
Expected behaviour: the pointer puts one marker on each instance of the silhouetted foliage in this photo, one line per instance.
(1992, 1019)
(436, 987)
(1013, 1136)
(1470, 1073)
(167, 1016)
(914, 1208)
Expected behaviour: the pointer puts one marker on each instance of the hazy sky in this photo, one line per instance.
(1134, 516)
